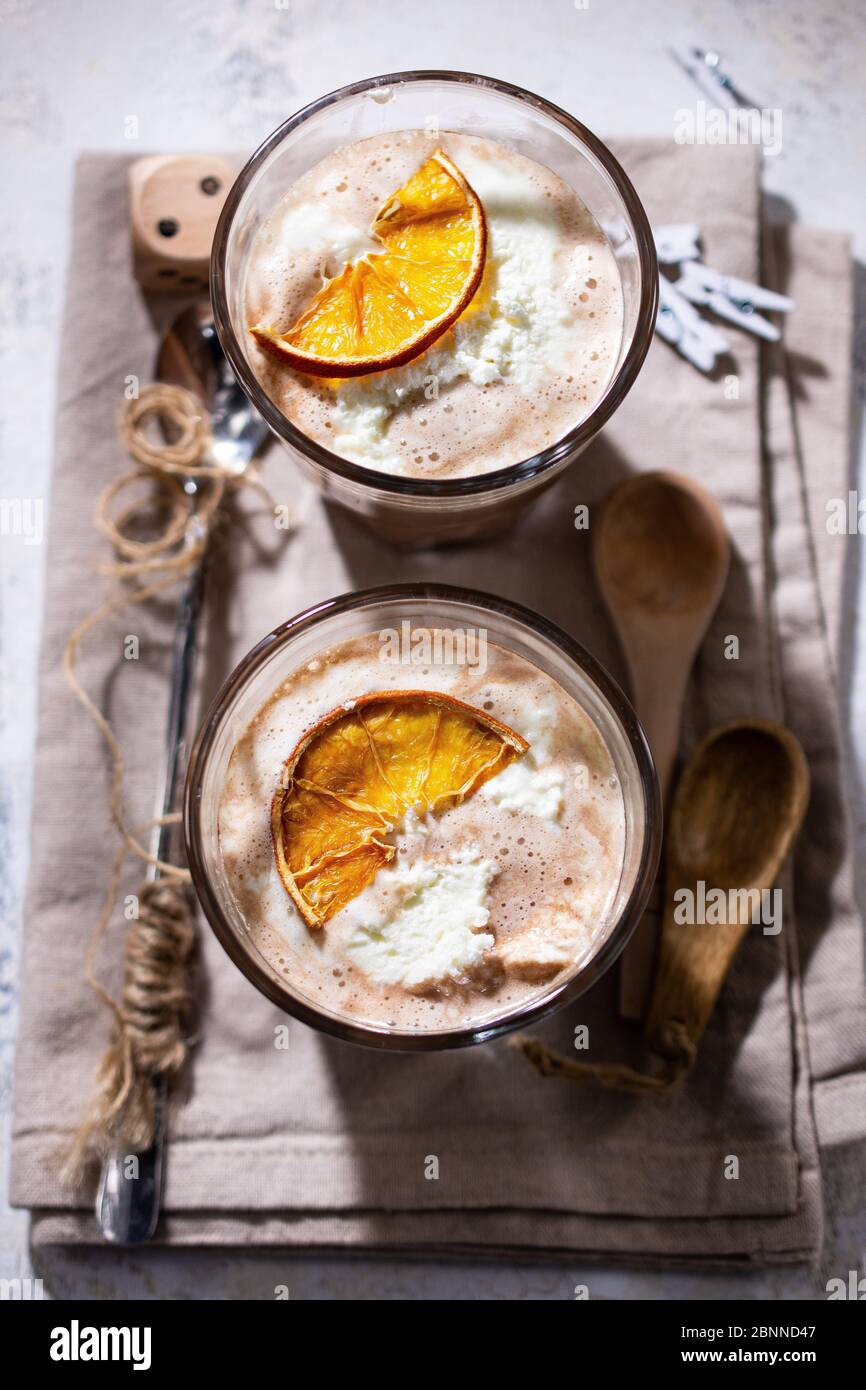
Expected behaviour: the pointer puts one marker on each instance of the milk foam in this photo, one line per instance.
(484, 904)
(522, 366)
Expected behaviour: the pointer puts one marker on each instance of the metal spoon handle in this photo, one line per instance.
(177, 722)
(130, 1189)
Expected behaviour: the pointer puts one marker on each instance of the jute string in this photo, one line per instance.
(676, 1050)
(148, 1019)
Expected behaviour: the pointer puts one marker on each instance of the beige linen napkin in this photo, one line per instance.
(325, 1145)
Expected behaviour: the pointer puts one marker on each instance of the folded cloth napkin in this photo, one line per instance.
(323, 1144)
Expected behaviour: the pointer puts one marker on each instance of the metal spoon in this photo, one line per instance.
(127, 1207)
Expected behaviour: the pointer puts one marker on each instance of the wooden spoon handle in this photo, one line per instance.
(694, 959)
(658, 697)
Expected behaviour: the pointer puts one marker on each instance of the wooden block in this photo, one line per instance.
(175, 202)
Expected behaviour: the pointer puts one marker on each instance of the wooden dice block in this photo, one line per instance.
(175, 203)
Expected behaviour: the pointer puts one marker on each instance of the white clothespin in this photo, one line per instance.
(680, 324)
(735, 300)
(677, 242)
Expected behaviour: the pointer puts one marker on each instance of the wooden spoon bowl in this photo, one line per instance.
(661, 548)
(737, 810)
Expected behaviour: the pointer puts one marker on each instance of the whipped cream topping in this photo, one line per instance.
(532, 784)
(423, 923)
(517, 331)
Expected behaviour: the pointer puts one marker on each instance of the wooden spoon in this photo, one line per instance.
(661, 556)
(738, 807)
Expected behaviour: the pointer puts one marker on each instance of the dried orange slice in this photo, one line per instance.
(388, 307)
(359, 770)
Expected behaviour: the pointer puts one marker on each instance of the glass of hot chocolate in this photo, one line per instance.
(418, 817)
(436, 288)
